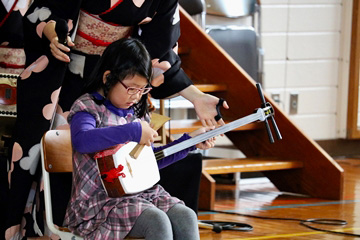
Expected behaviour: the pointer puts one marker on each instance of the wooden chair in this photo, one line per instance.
(56, 157)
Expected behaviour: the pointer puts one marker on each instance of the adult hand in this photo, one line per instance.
(205, 107)
(58, 50)
(148, 134)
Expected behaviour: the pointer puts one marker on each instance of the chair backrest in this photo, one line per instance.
(197, 9)
(241, 44)
(192, 7)
(56, 157)
(231, 8)
(57, 150)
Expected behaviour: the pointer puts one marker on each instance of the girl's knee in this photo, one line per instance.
(152, 224)
(182, 212)
(184, 222)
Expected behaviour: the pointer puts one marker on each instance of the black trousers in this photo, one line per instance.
(182, 179)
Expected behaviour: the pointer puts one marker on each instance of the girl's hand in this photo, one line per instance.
(58, 50)
(210, 143)
(148, 134)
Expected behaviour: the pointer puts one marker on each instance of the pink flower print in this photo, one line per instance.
(63, 127)
(54, 236)
(39, 65)
(49, 109)
(159, 68)
(129, 117)
(17, 154)
(138, 3)
(122, 121)
(40, 28)
(70, 24)
(145, 20)
(15, 232)
(61, 119)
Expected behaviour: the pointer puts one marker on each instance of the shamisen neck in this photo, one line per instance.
(259, 115)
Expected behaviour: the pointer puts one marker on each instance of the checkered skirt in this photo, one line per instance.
(91, 213)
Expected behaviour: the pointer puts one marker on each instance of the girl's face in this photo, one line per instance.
(119, 96)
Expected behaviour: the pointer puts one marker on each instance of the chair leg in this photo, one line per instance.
(162, 129)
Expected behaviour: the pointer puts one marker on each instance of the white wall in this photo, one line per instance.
(303, 45)
(306, 52)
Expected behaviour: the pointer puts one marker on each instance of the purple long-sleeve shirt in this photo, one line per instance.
(84, 130)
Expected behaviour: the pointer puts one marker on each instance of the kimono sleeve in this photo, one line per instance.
(160, 36)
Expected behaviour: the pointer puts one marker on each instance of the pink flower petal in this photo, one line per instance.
(70, 24)
(9, 173)
(13, 232)
(39, 65)
(17, 152)
(66, 114)
(63, 127)
(164, 65)
(55, 95)
(40, 28)
(48, 111)
(145, 20)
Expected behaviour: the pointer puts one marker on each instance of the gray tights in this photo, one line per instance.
(179, 223)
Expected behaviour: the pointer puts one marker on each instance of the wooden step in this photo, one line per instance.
(222, 166)
(189, 125)
(211, 87)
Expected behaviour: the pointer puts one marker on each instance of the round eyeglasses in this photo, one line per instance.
(134, 90)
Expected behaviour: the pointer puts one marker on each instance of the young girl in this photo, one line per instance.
(114, 111)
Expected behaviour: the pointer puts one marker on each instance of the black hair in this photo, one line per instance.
(124, 57)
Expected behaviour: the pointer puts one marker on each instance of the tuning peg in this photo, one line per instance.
(264, 104)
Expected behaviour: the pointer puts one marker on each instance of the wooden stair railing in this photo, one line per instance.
(207, 63)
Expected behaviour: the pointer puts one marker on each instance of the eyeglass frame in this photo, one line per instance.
(143, 90)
